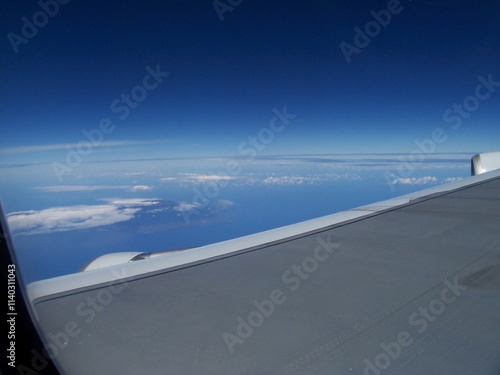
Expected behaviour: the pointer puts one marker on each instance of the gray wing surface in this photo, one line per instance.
(405, 288)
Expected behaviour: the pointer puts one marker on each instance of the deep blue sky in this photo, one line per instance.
(226, 76)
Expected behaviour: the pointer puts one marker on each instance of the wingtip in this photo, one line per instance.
(485, 162)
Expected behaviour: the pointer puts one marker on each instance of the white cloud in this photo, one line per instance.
(186, 206)
(301, 180)
(339, 177)
(75, 188)
(61, 219)
(132, 202)
(141, 188)
(253, 179)
(285, 180)
(424, 180)
(198, 178)
(220, 204)
(415, 180)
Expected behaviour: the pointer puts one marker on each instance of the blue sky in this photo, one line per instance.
(147, 100)
(226, 76)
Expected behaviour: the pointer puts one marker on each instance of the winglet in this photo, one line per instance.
(485, 162)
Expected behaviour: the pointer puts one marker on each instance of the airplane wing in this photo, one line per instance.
(405, 286)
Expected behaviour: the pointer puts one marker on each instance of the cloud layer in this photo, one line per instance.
(61, 219)
(198, 178)
(254, 179)
(75, 188)
(155, 214)
(423, 180)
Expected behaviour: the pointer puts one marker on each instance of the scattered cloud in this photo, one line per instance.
(219, 204)
(152, 213)
(141, 188)
(253, 179)
(198, 178)
(308, 180)
(75, 188)
(61, 219)
(286, 180)
(128, 202)
(186, 206)
(424, 180)
(416, 180)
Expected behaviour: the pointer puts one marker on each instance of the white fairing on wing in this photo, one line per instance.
(114, 259)
(110, 260)
(485, 162)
